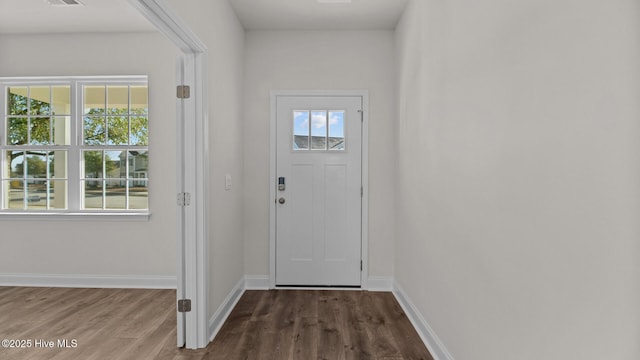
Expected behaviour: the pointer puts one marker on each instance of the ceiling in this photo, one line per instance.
(38, 16)
(314, 15)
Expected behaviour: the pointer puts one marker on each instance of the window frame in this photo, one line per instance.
(327, 131)
(75, 149)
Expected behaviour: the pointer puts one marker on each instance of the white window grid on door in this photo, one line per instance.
(330, 130)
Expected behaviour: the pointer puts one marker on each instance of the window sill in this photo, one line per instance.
(74, 216)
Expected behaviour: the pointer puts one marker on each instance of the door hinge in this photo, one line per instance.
(184, 199)
(360, 265)
(361, 115)
(184, 305)
(361, 191)
(183, 91)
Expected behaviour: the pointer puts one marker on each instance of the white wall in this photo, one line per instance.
(319, 60)
(215, 23)
(519, 176)
(89, 247)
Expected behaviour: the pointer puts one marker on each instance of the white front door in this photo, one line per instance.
(319, 190)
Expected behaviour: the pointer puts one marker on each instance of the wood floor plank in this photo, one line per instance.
(145, 319)
(305, 341)
(352, 320)
(62, 321)
(123, 324)
(284, 320)
(403, 332)
(305, 329)
(276, 337)
(330, 345)
(54, 314)
(149, 346)
(376, 321)
(235, 339)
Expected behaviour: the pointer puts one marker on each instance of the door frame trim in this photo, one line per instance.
(192, 149)
(364, 230)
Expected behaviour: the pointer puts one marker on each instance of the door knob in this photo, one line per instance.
(281, 200)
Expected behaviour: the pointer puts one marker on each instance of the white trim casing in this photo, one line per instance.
(196, 169)
(170, 25)
(195, 154)
(380, 283)
(426, 333)
(89, 281)
(364, 94)
(224, 310)
(98, 216)
(181, 327)
(272, 190)
(365, 190)
(256, 282)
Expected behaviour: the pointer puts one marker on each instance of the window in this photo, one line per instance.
(74, 145)
(318, 130)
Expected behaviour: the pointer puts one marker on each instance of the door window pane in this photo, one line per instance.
(336, 130)
(300, 130)
(318, 130)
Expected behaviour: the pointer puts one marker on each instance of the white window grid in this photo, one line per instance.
(76, 148)
(326, 134)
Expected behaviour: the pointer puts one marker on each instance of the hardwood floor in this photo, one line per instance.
(105, 323)
(140, 324)
(308, 324)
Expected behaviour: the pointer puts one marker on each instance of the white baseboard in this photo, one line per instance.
(428, 336)
(256, 282)
(223, 311)
(380, 283)
(89, 281)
